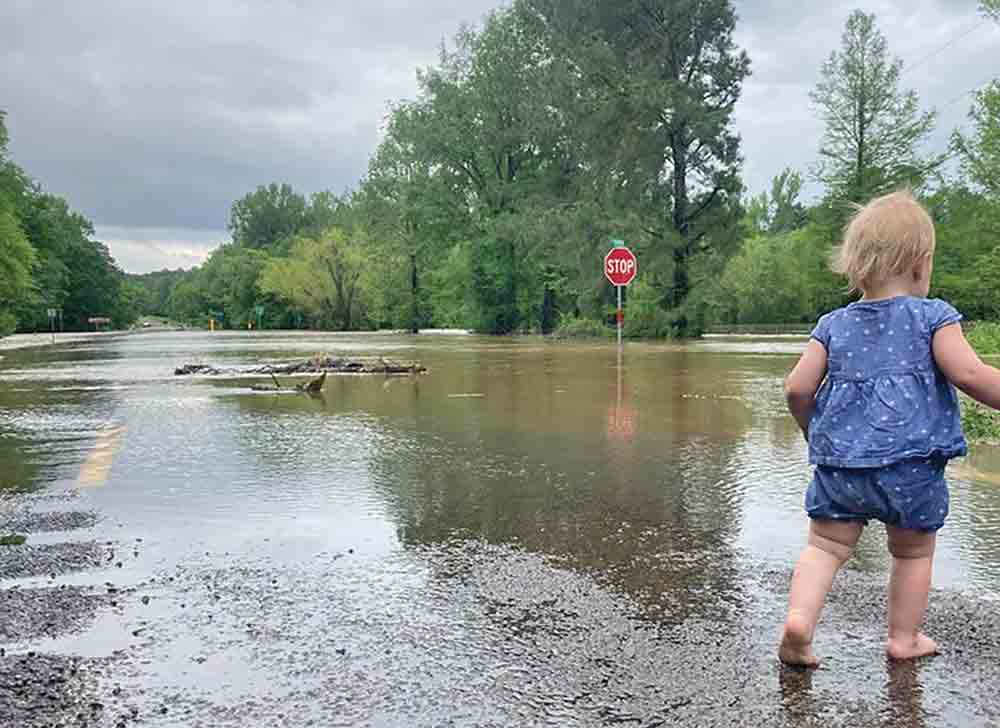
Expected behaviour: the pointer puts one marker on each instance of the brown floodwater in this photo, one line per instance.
(529, 533)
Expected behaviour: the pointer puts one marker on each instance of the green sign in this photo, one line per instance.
(618, 243)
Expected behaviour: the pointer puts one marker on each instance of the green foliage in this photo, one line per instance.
(650, 89)
(775, 279)
(8, 323)
(13, 540)
(158, 287)
(980, 423)
(967, 265)
(322, 278)
(450, 295)
(645, 316)
(573, 327)
(985, 338)
(980, 149)
(224, 288)
(779, 212)
(873, 129)
(17, 260)
(268, 216)
(49, 259)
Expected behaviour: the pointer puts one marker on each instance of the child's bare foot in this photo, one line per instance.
(796, 643)
(911, 648)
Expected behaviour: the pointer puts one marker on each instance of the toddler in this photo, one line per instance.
(874, 394)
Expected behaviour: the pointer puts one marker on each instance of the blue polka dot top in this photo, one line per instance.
(884, 399)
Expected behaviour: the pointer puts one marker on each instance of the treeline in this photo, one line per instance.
(49, 260)
(559, 125)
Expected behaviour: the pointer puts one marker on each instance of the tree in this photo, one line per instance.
(873, 128)
(781, 211)
(991, 8)
(268, 216)
(17, 256)
(486, 125)
(17, 259)
(321, 277)
(655, 86)
(980, 150)
(411, 210)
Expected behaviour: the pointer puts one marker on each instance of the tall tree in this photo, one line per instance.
(17, 256)
(268, 216)
(980, 149)
(486, 124)
(658, 81)
(411, 210)
(873, 128)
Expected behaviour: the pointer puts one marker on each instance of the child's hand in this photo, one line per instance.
(803, 383)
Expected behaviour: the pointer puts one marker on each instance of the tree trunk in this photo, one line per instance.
(414, 295)
(548, 317)
(680, 219)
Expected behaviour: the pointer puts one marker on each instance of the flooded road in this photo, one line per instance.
(525, 535)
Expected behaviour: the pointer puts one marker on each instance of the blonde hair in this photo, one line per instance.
(885, 238)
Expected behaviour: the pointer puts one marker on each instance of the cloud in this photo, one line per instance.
(159, 115)
(142, 250)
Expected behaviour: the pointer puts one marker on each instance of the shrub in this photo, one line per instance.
(572, 327)
(645, 317)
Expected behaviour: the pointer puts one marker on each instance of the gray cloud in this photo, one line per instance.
(160, 116)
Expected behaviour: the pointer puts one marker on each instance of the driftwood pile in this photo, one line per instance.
(319, 364)
(315, 365)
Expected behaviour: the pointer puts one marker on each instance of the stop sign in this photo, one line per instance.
(620, 266)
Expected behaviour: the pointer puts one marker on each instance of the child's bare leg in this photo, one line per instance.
(831, 544)
(912, 564)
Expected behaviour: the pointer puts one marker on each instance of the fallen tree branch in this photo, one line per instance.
(316, 365)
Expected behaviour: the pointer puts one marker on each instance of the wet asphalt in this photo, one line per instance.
(464, 633)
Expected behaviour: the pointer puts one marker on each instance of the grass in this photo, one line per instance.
(14, 539)
(981, 424)
(985, 338)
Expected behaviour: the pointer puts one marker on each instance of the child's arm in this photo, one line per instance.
(963, 367)
(803, 383)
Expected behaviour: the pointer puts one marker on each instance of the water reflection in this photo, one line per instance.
(660, 476)
(97, 466)
(905, 695)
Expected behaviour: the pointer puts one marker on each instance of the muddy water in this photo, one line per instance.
(527, 534)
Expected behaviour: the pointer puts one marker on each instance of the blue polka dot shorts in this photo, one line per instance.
(911, 494)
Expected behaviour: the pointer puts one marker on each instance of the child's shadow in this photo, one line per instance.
(903, 691)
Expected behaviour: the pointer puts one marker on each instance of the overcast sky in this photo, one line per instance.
(152, 120)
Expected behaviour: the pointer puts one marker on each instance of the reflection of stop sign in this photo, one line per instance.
(620, 266)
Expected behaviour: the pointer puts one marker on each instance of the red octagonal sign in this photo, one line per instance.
(620, 266)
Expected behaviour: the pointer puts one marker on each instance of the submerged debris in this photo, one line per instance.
(315, 365)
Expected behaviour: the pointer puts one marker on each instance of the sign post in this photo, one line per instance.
(53, 313)
(620, 268)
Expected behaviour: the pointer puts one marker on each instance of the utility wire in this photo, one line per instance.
(934, 54)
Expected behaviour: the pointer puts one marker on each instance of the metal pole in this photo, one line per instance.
(621, 319)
